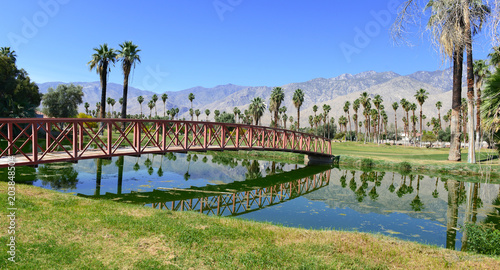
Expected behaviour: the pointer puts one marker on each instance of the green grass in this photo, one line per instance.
(61, 231)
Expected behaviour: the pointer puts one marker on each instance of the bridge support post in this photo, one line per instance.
(320, 160)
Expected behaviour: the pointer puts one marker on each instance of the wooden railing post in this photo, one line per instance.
(110, 138)
(250, 137)
(48, 133)
(164, 136)
(75, 140)
(237, 137)
(205, 136)
(10, 139)
(222, 136)
(186, 135)
(34, 141)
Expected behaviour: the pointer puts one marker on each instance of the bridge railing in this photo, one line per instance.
(41, 140)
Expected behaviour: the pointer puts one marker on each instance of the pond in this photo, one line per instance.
(419, 208)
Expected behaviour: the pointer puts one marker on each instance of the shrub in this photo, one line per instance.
(367, 163)
(482, 239)
(404, 166)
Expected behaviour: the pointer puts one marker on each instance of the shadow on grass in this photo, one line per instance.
(493, 157)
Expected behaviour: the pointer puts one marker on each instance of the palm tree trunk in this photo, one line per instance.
(104, 75)
(396, 125)
(478, 113)
(421, 132)
(471, 157)
(298, 118)
(458, 56)
(125, 94)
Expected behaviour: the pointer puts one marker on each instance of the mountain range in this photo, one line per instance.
(332, 91)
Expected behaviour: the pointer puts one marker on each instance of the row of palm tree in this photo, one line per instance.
(103, 56)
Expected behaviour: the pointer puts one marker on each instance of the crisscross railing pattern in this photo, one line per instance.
(42, 140)
(234, 204)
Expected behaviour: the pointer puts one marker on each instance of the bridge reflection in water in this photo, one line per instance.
(231, 199)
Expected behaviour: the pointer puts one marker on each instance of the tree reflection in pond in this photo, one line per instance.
(58, 175)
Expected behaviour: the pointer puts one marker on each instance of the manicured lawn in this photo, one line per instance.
(61, 231)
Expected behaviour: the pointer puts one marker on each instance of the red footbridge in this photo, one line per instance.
(33, 141)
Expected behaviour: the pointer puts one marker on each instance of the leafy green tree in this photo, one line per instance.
(62, 102)
(216, 113)
(129, 55)
(298, 99)
(225, 118)
(164, 98)
(100, 62)
(18, 95)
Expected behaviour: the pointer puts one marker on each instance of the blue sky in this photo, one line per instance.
(212, 42)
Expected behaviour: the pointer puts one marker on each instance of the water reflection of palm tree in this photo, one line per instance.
(373, 193)
(58, 175)
(402, 188)
(353, 185)
(417, 205)
(409, 190)
(494, 216)
(187, 175)
(160, 170)
(253, 171)
(98, 177)
(204, 159)
(136, 166)
(452, 213)
(119, 164)
(435, 193)
(391, 187)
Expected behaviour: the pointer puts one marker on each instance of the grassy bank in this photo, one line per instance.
(286, 157)
(61, 231)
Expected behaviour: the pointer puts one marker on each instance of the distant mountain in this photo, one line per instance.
(333, 91)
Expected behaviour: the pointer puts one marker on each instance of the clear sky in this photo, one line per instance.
(212, 42)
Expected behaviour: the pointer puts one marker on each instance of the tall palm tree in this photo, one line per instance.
(151, 105)
(87, 105)
(257, 109)
(108, 101)
(395, 107)
(421, 96)
(277, 97)
(481, 71)
(413, 108)
(377, 102)
(154, 98)
(236, 112)
(490, 112)
(197, 112)
(439, 105)
(298, 99)
(129, 55)
(355, 107)
(100, 61)
(495, 56)
(164, 98)
(207, 112)
(364, 99)
(327, 109)
(191, 98)
(315, 109)
(347, 104)
(140, 99)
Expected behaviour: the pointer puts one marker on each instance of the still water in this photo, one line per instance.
(412, 207)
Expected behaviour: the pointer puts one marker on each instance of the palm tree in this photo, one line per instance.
(113, 102)
(395, 107)
(207, 112)
(151, 105)
(277, 96)
(421, 96)
(217, 113)
(191, 98)
(87, 105)
(120, 100)
(347, 104)
(298, 99)
(236, 112)
(129, 55)
(481, 71)
(439, 105)
(450, 24)
(197, 112)
(285, 117)
(377, 102)
(164, 98)
(490, 112)
(405, 104)
(413, 108)
(257, 109)
(154, 98)
(364, 99)
(326, 109)
(495, 56)
(140, 99)
(315, 109)
(191, 112)
(100, 61)
(355, 107)
(108, 101)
